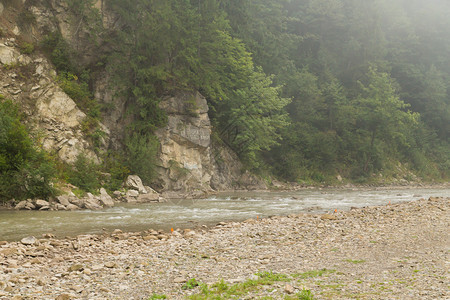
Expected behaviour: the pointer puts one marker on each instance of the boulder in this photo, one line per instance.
(134, 182)
(150, 197)
(72, 207)
(8, 55)
(76, 201)
(132, 193)
(41, 203)
(29, 205)
(91, 203)
(106, 199)
(63, 199)
(59, 206)
(117, 194)
(21, 205)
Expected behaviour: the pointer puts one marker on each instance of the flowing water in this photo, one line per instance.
(236, 206)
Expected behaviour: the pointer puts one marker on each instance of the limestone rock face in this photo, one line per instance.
(189, 162)
(45, 105)
(185, 157)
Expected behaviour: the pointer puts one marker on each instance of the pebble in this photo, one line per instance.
(370, 251)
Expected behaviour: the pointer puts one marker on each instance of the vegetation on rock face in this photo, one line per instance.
(341, 98)
(25, 170)
(305, 89)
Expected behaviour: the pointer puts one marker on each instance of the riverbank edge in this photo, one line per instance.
(304, 229)
(10, 205)
(162, 233)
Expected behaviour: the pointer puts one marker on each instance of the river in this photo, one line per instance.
(235, 206)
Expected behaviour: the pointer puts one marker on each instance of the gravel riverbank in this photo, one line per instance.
(397, 251)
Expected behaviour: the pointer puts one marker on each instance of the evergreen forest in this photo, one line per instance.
(306, 91)
(302, 90)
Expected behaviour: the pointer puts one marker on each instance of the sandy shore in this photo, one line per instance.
(396, 251)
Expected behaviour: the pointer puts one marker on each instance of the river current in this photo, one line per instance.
(234, 206)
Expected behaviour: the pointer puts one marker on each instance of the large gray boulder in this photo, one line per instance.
(41, 203)
(134, 182)
(92, 204)
(63, 199)
(105, 199)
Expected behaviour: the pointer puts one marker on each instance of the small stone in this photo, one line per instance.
(41, 282)
(179, 280)
(96, 267)
(8, 289)
(30, 240)
(190, 234)
(76, 267)
(289, 289)
(328, 217)
(63, 297)
(110, 264)
(35, 261)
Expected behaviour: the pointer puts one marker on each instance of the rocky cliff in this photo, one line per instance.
(188, 161)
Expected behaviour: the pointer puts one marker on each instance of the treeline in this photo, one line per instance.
(369, 83)
(303, 89)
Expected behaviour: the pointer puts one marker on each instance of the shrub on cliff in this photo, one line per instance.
(25, 171)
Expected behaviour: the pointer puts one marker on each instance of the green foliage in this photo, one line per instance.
(25, 171)
(140, 155)
(302, 89)
(222, 290)
(305, 295)
(314, 273)
(157, 296)
(26, 48)
(85, 174)
(79, 91)
(58, 51)
(190, 284)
